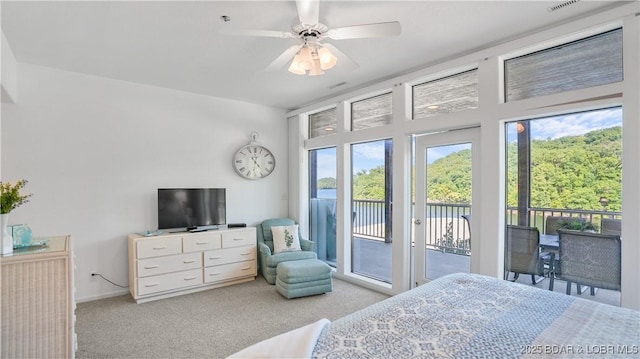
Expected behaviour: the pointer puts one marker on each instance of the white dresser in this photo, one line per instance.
(178, 263)
(38, 306)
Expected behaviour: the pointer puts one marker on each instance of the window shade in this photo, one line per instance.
(592, 61)
(322, 123)
(372, 112)
(449, 94)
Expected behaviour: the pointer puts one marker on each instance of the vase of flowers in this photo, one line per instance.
(10, 198)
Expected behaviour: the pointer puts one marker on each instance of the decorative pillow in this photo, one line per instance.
(285, 238)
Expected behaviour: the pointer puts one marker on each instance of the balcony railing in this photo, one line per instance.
(537, 215)
(447, 230)
(368, 218)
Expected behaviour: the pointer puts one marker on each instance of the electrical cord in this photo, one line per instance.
(101, 276)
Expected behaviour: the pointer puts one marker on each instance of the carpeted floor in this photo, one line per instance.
(212, 324)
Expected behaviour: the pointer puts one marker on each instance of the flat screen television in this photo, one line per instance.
(191, 208)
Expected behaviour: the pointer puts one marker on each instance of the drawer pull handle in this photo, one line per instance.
(201, 243)
(245, 268)
(238, 239)
(190, 278)
(158, 248)
(191, 261)
(214, 274)
(215, 257)
(152, 285)
(245, 254)
(151, 267)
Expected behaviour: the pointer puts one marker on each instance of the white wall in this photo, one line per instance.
(9, 87)
(95, 150)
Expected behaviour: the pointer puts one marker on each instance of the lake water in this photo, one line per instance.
(327, 193)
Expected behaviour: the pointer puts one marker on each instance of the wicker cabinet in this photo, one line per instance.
(38, 307)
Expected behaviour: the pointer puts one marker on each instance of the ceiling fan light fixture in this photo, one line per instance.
(296, 68)
(301, 63)
(316, 69)
(306, 55)
(308, 61)
(327, 59)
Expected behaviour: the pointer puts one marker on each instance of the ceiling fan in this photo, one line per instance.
(312, 56)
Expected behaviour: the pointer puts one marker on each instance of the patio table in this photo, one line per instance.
(549, 242)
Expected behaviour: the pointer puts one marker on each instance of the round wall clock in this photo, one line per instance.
(254, 161)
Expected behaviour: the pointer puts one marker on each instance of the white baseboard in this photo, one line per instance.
(102, 296)
(365, 282)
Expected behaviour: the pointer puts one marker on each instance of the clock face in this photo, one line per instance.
(254, 162)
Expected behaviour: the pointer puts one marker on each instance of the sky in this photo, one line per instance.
(571, 125)
(371, 154)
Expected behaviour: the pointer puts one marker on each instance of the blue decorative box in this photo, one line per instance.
(21, 235)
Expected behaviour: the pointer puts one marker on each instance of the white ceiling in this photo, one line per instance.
(177, 44)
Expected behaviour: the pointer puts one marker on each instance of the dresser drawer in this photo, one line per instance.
(230, 271)
(163, 282)
(197, 242)
(155, 247)
(229, 255)
(167, 264)
(238, 238)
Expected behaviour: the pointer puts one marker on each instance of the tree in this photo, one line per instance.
(369, 185)
(326, 183)
(449, 178)
(570, 172)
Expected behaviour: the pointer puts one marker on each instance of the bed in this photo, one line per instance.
(468, 315)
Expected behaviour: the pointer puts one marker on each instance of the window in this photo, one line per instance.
(570, 162)
(564, 172)
(592, 61)
(371, 184)
(322, 123)
(450, 94)
(372, 112)
(322, 193)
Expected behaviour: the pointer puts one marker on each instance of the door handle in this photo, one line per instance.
(417, 221)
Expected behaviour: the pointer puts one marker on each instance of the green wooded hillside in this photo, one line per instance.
(326, 182)
(575, 171)
(570, 172)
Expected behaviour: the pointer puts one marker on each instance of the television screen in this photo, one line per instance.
(191, 208)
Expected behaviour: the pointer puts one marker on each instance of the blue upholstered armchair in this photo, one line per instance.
(267, 261)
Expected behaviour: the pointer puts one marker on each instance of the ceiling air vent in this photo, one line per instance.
(562, 5)
(337, 85)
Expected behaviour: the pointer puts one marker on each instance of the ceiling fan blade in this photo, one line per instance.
(308, 11)
(285, 57)
(260, 33)
(344, 61)
(381, 29)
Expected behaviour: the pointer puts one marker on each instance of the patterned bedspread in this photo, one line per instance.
(473, 316)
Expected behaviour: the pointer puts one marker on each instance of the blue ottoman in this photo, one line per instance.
(303, 278)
